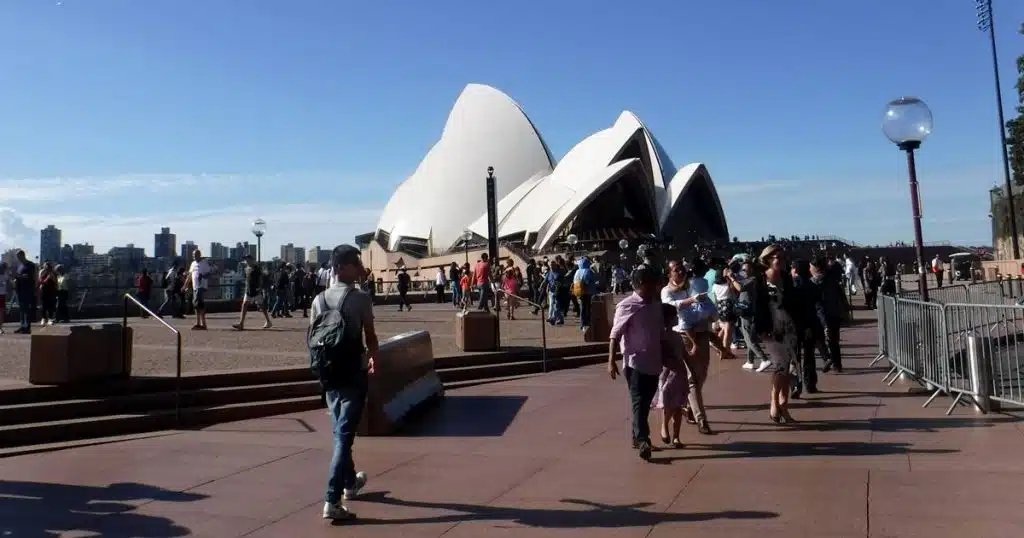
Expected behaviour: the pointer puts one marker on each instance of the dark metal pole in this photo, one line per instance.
(492, 241)
(915, 202)
(259, 249)
(985, 19)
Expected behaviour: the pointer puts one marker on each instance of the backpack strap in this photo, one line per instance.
(322, 300)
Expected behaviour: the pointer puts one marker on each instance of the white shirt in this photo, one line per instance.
(325, 277)
(200, 271)
(723, 292)
(440, 280)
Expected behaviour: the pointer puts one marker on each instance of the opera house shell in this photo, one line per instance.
(618, 182)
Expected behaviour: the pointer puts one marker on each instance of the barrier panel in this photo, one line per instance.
(404, 379)
(989, 338)
(956, 349)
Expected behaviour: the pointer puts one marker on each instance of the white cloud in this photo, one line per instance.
(307, 225)
(57, 189)
(15, 233)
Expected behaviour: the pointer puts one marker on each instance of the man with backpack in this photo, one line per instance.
(340, 317)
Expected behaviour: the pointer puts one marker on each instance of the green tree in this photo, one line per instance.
(1015, 127)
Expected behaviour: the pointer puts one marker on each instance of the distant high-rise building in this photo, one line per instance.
(240, 250)
(318, 256)
(292, 254)
(67, 255)
(49, 244)
(165, 244)
(187, 248)
(128, 256)
(219, 252)
(81, 250)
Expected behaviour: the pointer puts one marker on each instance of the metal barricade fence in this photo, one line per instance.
(989, 347)
(992, 292)
(957, 349)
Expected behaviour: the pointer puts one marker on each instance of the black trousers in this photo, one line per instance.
(642, 388)
(832, 342)
(810, 341)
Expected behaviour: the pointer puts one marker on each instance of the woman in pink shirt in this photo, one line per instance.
(637, 331)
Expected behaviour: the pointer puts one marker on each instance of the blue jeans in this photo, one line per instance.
(456, 293)
(346, 405)
(486, 297)
(27, 309)
(555, 314)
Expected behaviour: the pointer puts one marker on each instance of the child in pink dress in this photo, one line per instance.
(511, 286)
(673, 386)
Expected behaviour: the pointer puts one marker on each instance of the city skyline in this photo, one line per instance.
(165, 247)
(316, 135)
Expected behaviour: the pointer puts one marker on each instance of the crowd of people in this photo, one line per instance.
(786, 312)
(39, 290)
(783, 313)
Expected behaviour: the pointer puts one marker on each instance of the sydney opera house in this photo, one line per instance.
(617, 183)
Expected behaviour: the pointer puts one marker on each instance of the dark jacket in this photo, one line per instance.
(832, 303)
(777, 310)
(809, 305)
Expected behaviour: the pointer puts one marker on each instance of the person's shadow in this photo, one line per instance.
(598, 516)
(41, 510)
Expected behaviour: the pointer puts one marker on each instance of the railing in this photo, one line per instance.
(992, 292)
(543, 326)
(128, 298)
(959, 349)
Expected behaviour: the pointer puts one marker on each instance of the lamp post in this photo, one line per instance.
(985, 24)
(907, 122)
(259, 227)
(467, 236)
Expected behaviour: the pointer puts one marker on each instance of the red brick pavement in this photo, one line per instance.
(550, 456)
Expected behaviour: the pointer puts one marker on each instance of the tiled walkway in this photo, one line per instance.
(550, 456)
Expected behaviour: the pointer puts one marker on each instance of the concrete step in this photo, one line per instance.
(58, 431)
(65, 420)
(154, 401)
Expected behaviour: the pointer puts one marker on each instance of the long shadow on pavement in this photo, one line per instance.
(597, 516)
(42, 510)
(754, 449)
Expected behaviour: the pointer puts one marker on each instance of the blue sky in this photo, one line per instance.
(119, 116)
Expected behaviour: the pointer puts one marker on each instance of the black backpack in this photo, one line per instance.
(333, 355)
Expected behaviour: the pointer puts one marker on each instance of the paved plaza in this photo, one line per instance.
(223, 348)
(550, 456)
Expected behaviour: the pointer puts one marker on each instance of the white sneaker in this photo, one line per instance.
(268, 325)
(748, 366)
(763, 366)
(734, 346)
(337, 512)
(360, 483)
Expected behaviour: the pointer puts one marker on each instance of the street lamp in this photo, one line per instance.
(623, 244)
(467, 236)
(572, 240)
(259, 227)
(907, 122)
(985, 24)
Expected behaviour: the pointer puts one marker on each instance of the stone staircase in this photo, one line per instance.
(41, 418)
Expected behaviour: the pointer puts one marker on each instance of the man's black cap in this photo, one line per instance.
(345, 255)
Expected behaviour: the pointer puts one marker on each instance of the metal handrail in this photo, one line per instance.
(177, 334)
(543, 329)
